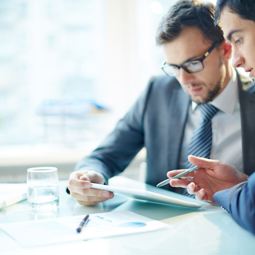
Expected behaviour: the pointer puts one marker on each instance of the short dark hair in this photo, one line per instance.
(244, 8)
(189, 14)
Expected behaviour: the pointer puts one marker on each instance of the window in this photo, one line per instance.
(63, 60)
(50, 54)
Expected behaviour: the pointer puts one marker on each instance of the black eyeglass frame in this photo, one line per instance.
(183, 65)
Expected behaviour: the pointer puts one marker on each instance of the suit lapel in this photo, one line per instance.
(178, 112)
(247, 111)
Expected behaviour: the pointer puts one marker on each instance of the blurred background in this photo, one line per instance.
(68, 70)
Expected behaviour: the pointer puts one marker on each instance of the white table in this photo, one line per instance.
(210, 231)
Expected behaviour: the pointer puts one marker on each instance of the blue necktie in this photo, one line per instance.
(201, 141)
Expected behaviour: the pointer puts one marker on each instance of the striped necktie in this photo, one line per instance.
(201, 141)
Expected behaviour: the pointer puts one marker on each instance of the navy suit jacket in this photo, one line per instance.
(157, 122)
(239, 201)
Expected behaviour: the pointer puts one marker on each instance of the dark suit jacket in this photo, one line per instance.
(239, 201)
(156, 122)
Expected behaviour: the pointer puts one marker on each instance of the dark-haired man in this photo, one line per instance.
(214, 180)
(165, 119)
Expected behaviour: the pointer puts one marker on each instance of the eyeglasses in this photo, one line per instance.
(191, 66)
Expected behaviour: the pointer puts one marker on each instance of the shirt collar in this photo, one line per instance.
(226, 101)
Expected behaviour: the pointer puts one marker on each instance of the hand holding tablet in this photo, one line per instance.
(152, 194)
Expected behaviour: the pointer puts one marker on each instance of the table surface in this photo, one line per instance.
(203, 231)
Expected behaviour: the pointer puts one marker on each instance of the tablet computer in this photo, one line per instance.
(153, 194)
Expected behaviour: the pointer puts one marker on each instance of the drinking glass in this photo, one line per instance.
(43, 187)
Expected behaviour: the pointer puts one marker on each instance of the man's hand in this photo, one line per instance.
(79, 185)
(212, 176)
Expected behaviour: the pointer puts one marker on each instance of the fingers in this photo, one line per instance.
(92, 176)
(80, 188)
(76, 185)
(92, 196)
(172, 173)
(179, 183)
(192, 188)
(82, 180)
(203, 162)
(201, 194)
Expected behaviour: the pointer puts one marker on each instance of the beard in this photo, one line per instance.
(215, 90)
(210, 95)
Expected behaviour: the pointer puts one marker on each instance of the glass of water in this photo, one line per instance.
(43, 190)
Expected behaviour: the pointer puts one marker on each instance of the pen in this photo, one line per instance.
(84, 222)
(189, 170)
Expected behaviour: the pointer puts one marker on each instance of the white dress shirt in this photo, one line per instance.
(226, 127)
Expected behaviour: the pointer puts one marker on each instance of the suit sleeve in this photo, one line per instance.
(113, 155)
(239, 201)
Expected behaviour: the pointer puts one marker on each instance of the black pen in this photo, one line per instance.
(84, 221)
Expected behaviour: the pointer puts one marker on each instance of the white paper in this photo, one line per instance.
(11, 194)
(43, 232)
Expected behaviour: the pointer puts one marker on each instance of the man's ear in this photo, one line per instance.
(226, 49)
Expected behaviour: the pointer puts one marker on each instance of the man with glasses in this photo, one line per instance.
(191, 66)
(197, 106)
